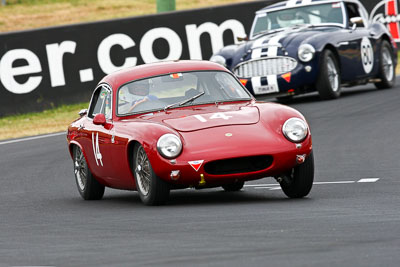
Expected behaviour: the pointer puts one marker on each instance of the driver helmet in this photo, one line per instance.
(286, 18)
(141, 88)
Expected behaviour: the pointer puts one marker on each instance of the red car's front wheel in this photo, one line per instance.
(152, 190)
(299, 181)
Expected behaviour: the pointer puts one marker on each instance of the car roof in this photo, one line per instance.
(118, 78)
(294, 3)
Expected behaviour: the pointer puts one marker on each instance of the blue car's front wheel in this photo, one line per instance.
(328, 81)
(386, 67)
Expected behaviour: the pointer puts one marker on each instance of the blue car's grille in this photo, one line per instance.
(265, 66)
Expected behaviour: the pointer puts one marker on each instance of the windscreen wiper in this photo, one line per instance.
(184, 101)
(268, 32)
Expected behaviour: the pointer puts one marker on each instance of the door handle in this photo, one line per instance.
(81, 127)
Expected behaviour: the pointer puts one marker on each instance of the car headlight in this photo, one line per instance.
(169, 146)
(218, 59)
(295, 130)
(306, 52)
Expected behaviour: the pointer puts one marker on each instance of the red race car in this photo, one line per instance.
(174, 125)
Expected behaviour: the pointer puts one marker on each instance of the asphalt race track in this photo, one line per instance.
(351, 217)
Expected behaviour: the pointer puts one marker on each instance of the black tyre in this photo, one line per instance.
(299, 182)
(386, 67)
(233, 187)
(89, 188)
(152, 190)
(328, 80)
(284, 99)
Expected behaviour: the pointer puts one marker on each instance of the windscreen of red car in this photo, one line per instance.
(176, 89)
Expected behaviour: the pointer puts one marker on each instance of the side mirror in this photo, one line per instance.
(83, 112)
(244, 38)
(99, 119)
(357, 21)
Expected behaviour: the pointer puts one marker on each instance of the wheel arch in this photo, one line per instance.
(71, 151)
(386, 37)
(335, 52)
(71, 146)
(130, 150)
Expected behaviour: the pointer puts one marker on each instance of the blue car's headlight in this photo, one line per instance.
(169, 146)
(295, 130)
(306, 52)
(218, 59)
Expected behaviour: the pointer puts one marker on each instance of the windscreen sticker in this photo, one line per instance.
(176, 75)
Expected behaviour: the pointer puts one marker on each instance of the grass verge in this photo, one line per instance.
(48, 121)
(28, 14)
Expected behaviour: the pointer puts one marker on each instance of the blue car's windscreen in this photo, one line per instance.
(331, 13)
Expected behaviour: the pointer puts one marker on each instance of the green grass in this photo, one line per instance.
(398, 64)
(48, 121)
(29, 14)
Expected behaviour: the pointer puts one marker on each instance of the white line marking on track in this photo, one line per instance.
(31, 138)
(275, 188)
(336, 182)
(258, 185)
(368, 180)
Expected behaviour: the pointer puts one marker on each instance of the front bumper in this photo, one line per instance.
(181, 173)
(302, 78)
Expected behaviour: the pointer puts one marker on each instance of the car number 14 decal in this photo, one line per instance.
(218, 115)
(367, 55)
(96, 150)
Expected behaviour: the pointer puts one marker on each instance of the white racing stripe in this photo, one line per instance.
(256, 83)
(273, 42)
(272, 51)
(31, 138)
(256, 53)
(291, 3)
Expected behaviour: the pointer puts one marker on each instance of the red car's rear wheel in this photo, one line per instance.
(89, 188)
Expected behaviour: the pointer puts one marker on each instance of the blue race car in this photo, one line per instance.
(296, 47)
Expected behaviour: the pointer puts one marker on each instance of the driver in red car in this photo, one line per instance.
(141, 89)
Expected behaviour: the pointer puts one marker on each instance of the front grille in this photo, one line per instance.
(265, 66)
(238, 165)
